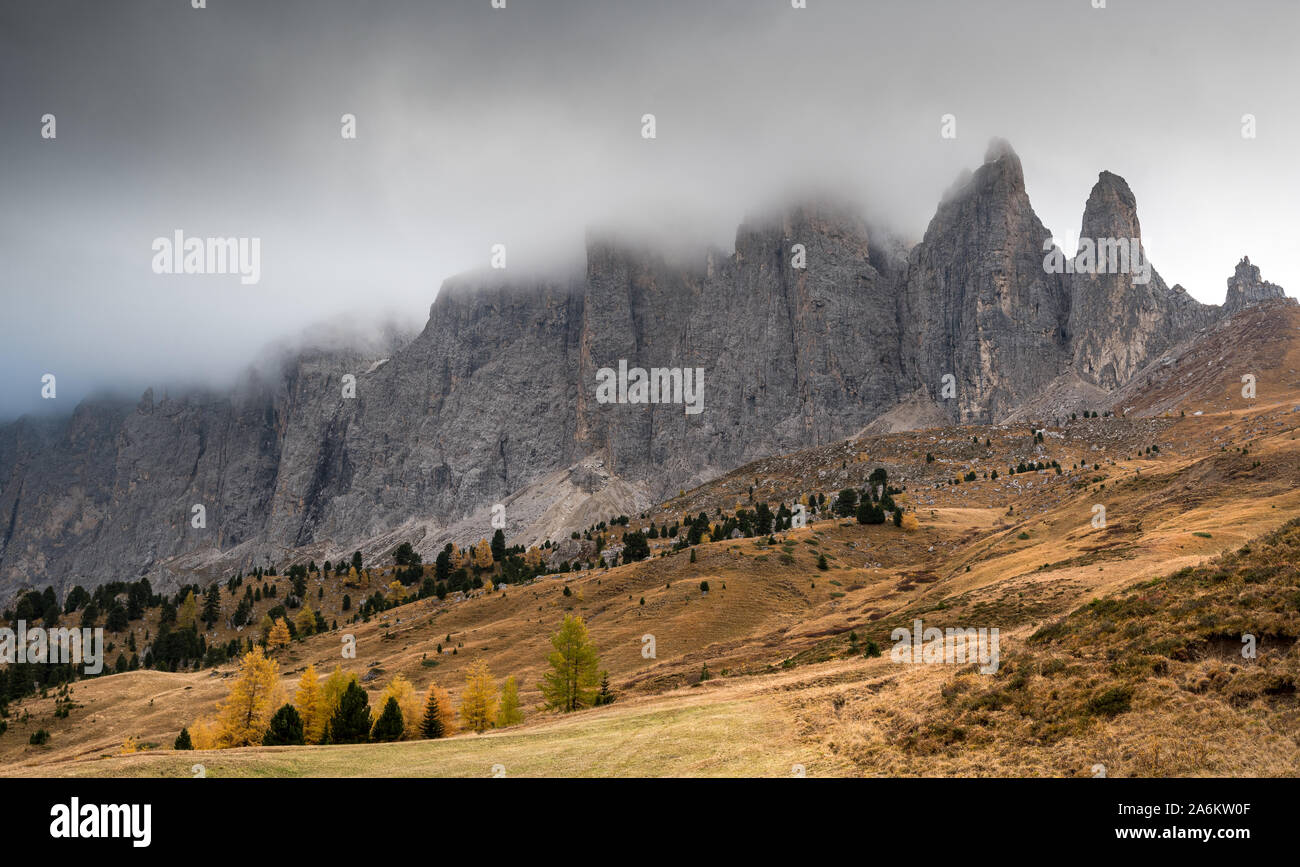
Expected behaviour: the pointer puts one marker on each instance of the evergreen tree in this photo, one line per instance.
(439, 721)
(285, 728)
(389, 726)
(212, 605)
(635, 547)
(350, 723)
(183, 741)
(603, 695)
(498, 546)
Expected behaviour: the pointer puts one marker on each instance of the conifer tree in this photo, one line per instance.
(305, 621)
(439, 720)
(478, 701)
(212, 605)
(183, 741)
(389, 726)
(604, 696)
(279, 636)
(350, 723)
(246, 712)
(407, 702)
(333, 688)
(285, 728)
(570, 684)
(188, 614)
(310, 701)
(508, 712)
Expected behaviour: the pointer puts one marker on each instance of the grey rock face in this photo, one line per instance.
(1122, 314)
(815, 327)
(978, 303)
(1245, 287)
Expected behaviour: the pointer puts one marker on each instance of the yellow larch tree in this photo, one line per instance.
(279, 636)
(305, 621)
(508, 712)
(310, 701)
(205, 734)
(188, 613)
(254, 696)
(478, 701)
(483, 554)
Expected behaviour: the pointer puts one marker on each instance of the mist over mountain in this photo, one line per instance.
(478, 126)
(814, 327)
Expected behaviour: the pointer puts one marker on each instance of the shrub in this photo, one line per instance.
(1111, 702)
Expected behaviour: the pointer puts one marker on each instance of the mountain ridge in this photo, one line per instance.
(496, 392)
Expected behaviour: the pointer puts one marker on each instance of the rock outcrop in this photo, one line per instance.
(1245, 287)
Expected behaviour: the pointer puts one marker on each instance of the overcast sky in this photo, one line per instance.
(522, 126)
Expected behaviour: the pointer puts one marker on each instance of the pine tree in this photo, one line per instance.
(389, 726)
(508, 712)
(408, 703)
(570, 683)
(478, 701)
(350, 723)
(212, 605)
(333, 688)
(246, 712)
(604, 696)
(285, 728)
(439, 720)
(310, 701)
(498, 546)
(183, 741)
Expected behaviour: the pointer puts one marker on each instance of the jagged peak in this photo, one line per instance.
(1001, 173)
(1111, 209)
(999, 149)
(1246, 287)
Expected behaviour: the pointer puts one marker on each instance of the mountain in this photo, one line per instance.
(815, 327)
(1118, 319)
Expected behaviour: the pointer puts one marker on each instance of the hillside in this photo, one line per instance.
(1141, 617)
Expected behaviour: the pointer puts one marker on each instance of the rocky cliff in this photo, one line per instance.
(813, 327)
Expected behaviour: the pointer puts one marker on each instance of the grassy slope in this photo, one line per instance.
(969, 565)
